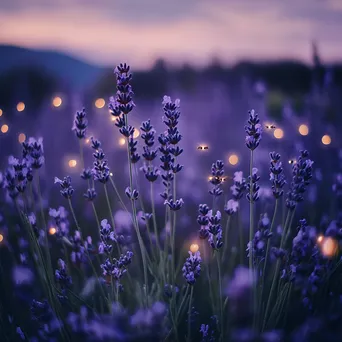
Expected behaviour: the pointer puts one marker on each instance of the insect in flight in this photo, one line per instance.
(202, 147)
(270, 126)
(220, 179)
(292, 161)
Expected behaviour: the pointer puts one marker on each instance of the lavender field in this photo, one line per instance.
(172, 203)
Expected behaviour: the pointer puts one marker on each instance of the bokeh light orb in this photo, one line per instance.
(72, 163)
(278, 133)
(233, 159)
(122, 141)
(1, 112)
(303, 130)
(57, 101)
(326, 140)
(20, 106)
(4, 129)
(329, 247)
(52, 230)
(100, 103)
(136, 133)
(21, 138)
(1, 238)
(194, 248)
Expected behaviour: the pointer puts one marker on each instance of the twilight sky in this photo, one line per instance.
(139, 31)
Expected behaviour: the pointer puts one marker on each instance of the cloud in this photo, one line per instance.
(139, 31)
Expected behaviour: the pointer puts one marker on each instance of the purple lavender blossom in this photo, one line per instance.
(276, 175)
(151, 172)
(63, 279)
(259, 242)
(168, 145)
(255, 187)
(215, 230)
(115, 270)
(67, 190)
(192, 267)
(90, 195)
(302, 174)
(62, 223)
(107, 236)
(239, 186)
(122, 103)
(216, 178)
(203, 221)
(100, 169)
(253, 130)
(231, 207)
(80, 124)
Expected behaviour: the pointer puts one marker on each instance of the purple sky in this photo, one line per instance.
(139, 31)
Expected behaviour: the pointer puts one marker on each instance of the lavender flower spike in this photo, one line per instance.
(253, 130)
(192, 267)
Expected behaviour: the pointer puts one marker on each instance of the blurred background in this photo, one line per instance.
(220, 57)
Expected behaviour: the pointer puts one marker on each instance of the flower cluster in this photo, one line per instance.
(122, 103)
(151, 172)
(62, 223)
(203, 221)
(276, 175)
(63, 279)
(15, 180)
(107, 236)
(261, 237)
(100, 166)
(301, 176)
(216, 178)
(239, 186)
(67, 190)
(111, 267)
(78, 256)
(252, 186)
(80, 124)
(20, 173)
(215, 230)
(192, 267)
(237, 189)
(253, 130)
(115, 269)
(169, 146)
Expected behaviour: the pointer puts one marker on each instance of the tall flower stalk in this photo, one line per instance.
(120, 106)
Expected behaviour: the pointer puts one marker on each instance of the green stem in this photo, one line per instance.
(118, 194)
(269, 240)
(226, 232)
(251, 223)
(141, 243)
(251, 235)
(189, 315)
(86, 250)
(220, 293)
(154, 218)
(173, 233)
(263, 276)
(275, 275)
(211, 296)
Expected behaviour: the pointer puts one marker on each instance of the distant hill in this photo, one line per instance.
(74, 72)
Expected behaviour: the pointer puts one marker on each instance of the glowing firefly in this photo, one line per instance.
(202, 147)
(270, 126)
(194, 248)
